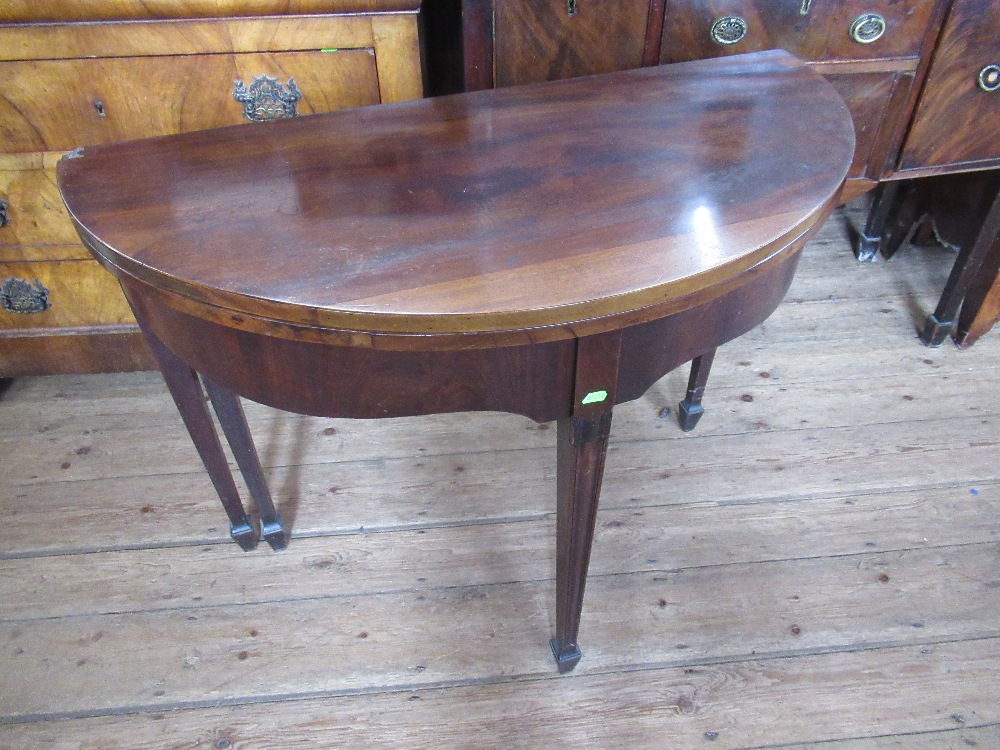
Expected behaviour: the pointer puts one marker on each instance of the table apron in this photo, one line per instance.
(535, 380)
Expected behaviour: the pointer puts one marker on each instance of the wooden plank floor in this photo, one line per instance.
(817, 566)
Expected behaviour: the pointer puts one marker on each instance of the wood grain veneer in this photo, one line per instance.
(544, 206)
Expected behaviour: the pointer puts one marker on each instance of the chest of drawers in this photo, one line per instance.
(909, 70)
(75, 74)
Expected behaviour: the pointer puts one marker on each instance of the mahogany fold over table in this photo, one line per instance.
(550, 251)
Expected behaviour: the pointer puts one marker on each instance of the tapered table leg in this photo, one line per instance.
(182, 382)
(689, 410)
(582, 448)
(234, 425)
(583, 445)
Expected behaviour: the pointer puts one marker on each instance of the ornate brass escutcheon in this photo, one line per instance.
(20, 296)
(867, 28)
(729, 29)
(267, 98)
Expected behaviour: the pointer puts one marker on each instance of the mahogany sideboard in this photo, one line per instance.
(921, 77)
(548, 250)
(100, 71)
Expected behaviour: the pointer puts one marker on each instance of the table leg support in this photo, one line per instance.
(689, 410)
(582, 448)
(234, 425)
(583, 445)
(182, 382)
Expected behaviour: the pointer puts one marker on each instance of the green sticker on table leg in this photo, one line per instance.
(594, 397)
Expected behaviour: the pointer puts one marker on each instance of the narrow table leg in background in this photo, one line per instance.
(689, 410)
(582, 448)
(870, 238)
(234, 425)
(981, 308)
(182, 382)
(971, 257)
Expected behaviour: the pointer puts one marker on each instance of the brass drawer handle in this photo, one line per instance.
(4, 213)
(23, 297)
(989, 78)
(729, 29)
(267, 98)
(867, 28)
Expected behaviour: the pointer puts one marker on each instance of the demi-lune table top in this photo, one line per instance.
(538, 207)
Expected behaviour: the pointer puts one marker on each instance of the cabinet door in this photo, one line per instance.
(542, 40)
(810, 29)
(959, 108)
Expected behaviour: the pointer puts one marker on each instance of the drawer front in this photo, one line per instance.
(34, 212)
(62, 293)
(810, 29)
(15, 11)
(958, 113)
(51, 105)
(544, 40)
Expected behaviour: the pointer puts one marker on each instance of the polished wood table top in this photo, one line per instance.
(551, 251)
(555, 205)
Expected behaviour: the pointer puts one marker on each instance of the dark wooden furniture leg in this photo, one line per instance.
(981, 307)
(971, 257)
(689, 410)
(234, 425)
(182, 382)
(870, 238)
(582, 448)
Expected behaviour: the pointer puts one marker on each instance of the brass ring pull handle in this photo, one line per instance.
(729, 30)
(867, 28)
(989, 78)
(23, 297)
(4, 213)
(267, 98)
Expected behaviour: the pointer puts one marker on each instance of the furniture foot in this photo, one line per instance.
(869, 240)
(689, 410)
(867, 247)
(244, 535)
(567, 657)
(936, 331)
(234, 424)
(582, 448)
(184, 387)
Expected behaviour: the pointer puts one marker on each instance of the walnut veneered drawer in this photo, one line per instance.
(61, 10)
(60, 294)
(48, 105)
(810, 29)
(34, 212)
